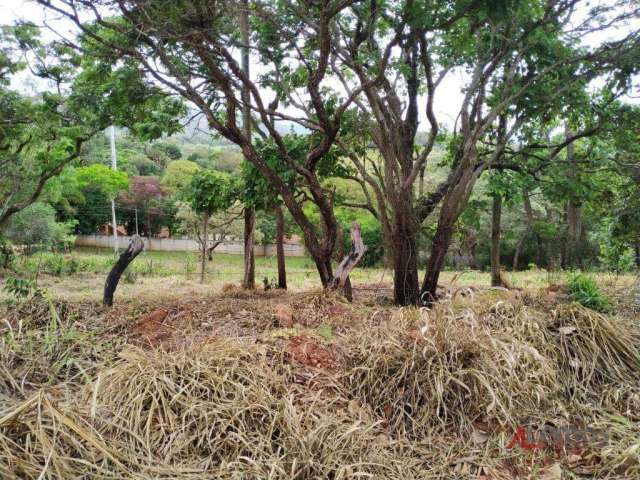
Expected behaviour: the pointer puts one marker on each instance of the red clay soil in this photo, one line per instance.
(304, 350)
(151, 329)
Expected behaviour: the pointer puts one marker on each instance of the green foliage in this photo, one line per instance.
(37, 224)
(178, 175)
(20, 287)
(171, 150)
(266, 225)
(371, 234)
(93, 211)
(6, 252)
(616, 256)
(108, 181)
(44, 134)
(584, 290)
(59, 265)
(223, 159)
(211, 191)
(372, 238)
(258, 191)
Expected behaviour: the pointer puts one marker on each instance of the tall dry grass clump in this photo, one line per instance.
(599, 356)
(427, 369)
(220, 410)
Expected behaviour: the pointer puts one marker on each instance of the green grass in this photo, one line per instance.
(584, 290)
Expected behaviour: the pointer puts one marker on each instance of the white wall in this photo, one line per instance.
(186, 245)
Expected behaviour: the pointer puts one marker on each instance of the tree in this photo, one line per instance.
(521, 62)
(37, 225)
(161, 38)
(515, 54)
(209, 192)
(260, 194)
(110, 182)
(145, 195)
(41, 136)
(178, 175)
(172, 151)
(249, 279)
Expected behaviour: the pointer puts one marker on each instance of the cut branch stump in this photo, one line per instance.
(348, 263)
(136, 245)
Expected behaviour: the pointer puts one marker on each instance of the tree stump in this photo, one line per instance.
(136, 245)
(358, 249)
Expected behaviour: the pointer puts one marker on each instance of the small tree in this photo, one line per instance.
(36, 225)
(208, 193)
(178, 175)
(145, 194)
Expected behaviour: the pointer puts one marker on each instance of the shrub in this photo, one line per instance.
(6, 252)
(584, 290)
(60, 265)
(36, 225)
(20, 287)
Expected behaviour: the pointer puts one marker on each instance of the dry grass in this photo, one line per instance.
(416, 393)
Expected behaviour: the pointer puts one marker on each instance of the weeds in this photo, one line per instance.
(585, 291)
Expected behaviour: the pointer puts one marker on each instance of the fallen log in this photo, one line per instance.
(136, 245)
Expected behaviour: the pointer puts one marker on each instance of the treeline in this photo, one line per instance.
(542, 137)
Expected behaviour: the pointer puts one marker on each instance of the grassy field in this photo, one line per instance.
(80, 274)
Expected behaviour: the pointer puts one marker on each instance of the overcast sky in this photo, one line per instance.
(446, 105)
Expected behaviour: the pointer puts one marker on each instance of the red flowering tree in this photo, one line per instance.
(146, 200)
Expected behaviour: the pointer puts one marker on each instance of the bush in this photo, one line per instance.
(61, 265)
(585, 291)
(20, 287)
(6, 252)
(54, 264)
(372, 238)
(36, 225)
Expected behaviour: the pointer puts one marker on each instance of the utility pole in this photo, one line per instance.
(114, 166)
(249, 280)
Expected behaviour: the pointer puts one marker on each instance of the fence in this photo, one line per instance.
(187, 245)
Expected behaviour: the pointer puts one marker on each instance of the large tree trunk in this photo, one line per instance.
(439, 248)
(136, 245)
(323, 266)
(452, 205)
(573, 247)
(496, 280)
(404, 250)
(405, 266)
(282, 270)
(637, 249)
(573, 256)
(249, 279)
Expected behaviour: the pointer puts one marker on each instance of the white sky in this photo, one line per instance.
(446, 105)
(447, 101)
